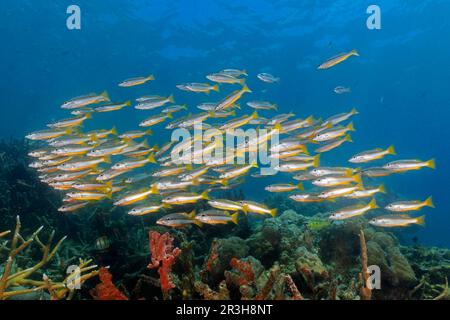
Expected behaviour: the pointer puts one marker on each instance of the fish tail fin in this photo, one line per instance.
(382, 189)
(310, 119)
(88, 115)
(350, 127)
(275, 106)
(151, 77)
(254, 115)
(234, 218)
(431, 163)
(245, 88)
(128, 103)
(357, 178)
(151, 158)
(354, 111)
(170, 98)
(216, 87)
(195, 182)
(391, 150)
(373, 204)
(184, 106)
(107, 159)
(189, 167)
(245, 208)
(114, 131)
(204, 195)
(109, 194)
(109, 184)
(224, 182)
(105, 95)
(348, 172)
(154, 189)
(236, 105)
(429, 202)
(420, 220)
(316, 160)
(360, 185)
(300, 186)
(242, 81)
(233, 113)
(149, 132)
(305, 149)
(155, 147)
(198, 223)
(273, 212)
(278, 127)
(145, 143)
(254, 165)
(348, 138)
(354, 52)
(169, 115)
(191, 214)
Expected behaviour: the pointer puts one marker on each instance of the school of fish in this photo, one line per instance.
(121, 167)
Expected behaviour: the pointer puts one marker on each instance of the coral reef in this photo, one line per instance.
(297, 255)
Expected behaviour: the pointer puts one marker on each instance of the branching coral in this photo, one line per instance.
(365, 291)
(163, 256)
(11, 279)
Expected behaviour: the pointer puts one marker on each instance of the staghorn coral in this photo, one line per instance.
(23, 278)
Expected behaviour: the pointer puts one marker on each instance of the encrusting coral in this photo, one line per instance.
(12, 277)
(106, 290)
(163, 256)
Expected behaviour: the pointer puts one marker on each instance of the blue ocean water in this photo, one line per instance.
(399, 83)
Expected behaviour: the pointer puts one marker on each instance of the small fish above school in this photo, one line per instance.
(342, 90)
(136, 81)
(262, 105)
(337, 59)
(267, 77)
